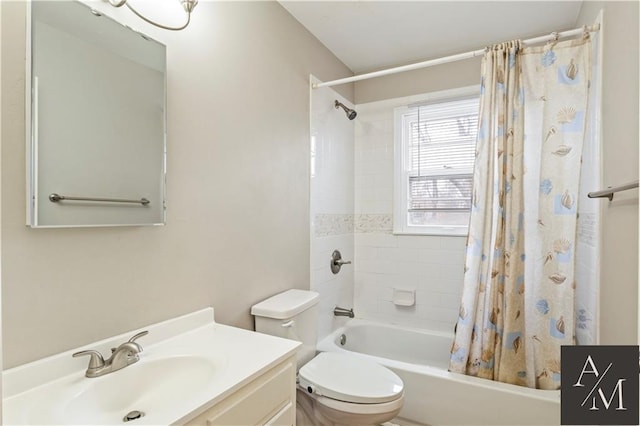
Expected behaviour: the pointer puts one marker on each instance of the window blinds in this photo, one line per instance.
(441, 142)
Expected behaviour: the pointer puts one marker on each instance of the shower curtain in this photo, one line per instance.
(517, 306)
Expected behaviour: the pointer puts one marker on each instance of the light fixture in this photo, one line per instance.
(188, 6)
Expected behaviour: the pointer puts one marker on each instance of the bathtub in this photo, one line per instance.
(434, 396)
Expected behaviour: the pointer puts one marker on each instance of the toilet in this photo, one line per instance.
(333, 388)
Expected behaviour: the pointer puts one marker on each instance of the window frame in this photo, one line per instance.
(401, 178)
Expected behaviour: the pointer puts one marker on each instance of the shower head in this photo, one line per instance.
(351, 113)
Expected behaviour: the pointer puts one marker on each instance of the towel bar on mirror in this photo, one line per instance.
(54, 198)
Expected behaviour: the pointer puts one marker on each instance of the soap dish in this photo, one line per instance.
(404, 297)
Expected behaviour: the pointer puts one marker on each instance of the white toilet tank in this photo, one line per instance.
(291, 315)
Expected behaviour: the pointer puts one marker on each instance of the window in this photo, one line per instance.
(435, 151)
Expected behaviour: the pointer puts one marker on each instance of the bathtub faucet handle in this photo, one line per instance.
(337, 262)
(343, 312)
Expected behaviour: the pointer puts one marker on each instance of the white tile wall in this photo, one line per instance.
(430, 265)
(335, 290)
(332, 204)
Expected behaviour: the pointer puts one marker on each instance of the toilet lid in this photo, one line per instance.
(351, 379)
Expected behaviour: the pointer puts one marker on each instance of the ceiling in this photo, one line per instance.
(370, 35)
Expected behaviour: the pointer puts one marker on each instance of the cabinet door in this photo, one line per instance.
(269, 399)
(283, 417)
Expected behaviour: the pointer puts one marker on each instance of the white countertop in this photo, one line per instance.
(238, 356)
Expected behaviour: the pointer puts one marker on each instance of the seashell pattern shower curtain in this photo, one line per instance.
(517, 306)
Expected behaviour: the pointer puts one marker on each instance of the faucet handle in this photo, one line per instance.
(337, 261)
(96, 360)
(137, 336)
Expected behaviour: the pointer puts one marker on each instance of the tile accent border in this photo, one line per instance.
(374, 223)
(325, 225)
(339, 224)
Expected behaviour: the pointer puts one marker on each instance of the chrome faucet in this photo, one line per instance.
(122, 356)
(342, 312)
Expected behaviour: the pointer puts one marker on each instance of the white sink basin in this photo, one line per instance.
(147, 386)
(189, 364)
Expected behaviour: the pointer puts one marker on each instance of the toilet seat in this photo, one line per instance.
(350, 379)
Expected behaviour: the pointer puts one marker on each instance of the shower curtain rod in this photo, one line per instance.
(452, 58)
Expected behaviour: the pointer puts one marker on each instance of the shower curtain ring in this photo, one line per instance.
(555, 37)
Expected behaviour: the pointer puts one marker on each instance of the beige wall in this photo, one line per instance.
(441, 77)
(619, 275)
(238, 189)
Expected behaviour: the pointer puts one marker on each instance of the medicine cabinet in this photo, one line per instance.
(96, 140)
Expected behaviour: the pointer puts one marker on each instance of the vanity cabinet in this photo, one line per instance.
(269, 399)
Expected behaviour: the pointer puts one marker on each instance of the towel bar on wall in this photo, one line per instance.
(608, 193)
(54, 198)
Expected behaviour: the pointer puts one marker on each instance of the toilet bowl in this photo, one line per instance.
(333, 388)
(350, 391)
(321, 411)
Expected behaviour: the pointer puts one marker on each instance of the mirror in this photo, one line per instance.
(96, 120)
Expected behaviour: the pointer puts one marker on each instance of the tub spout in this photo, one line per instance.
(342, 312)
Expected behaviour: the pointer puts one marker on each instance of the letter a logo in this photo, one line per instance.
(593, 370)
